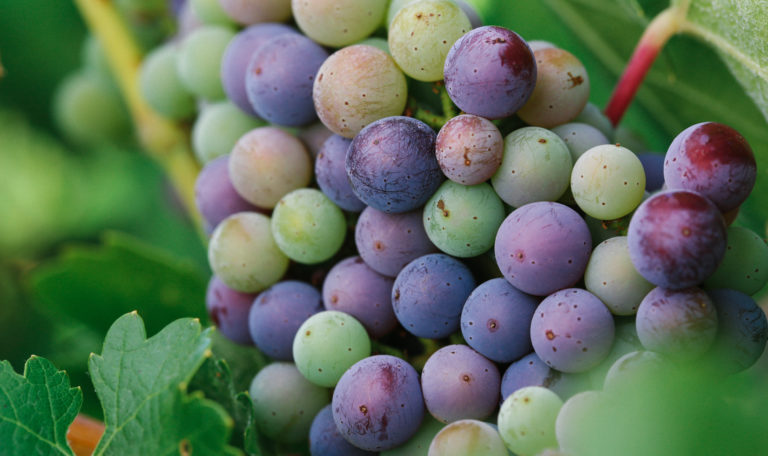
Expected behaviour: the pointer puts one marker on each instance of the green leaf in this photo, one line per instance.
(142, 387)
(36, 409)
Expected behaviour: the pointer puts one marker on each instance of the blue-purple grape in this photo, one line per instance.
(325, 439)
(653, 165)
(331, 174)
(215, 196)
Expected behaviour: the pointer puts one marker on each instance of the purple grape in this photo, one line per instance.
(325, 439)
(653, 165)
(331, 174)
(676, 239)
(572, 330)
(354, 288)
(742, 330)
(678, 323)
(237, 56)
(490, 72)
(714, 160)
(216, 197)
(458, 383)
(278, 312)
(496, 321)
(388, 242)
(429, 293)
(543, 247)
(378, 404)
(228, 310)
(530, 370)
(391, 164)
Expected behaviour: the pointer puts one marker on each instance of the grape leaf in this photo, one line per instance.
(36, 409)
(142, 387)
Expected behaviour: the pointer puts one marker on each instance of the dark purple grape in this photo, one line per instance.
(387, 242)
(653, 165)
(676, 239)
(714, 160)
(216, 197)
(280, 77)
(325, 439)
(496, 321)
(331, 174)
(742, 330)
(278, 312)
(354, 288)
(572, 330)
(530, 370)
(490, 72)
(228, 310)
(459, 383)
(543, 247)
(378, 404)
(429, 293)
(237, 56)
(391, 164)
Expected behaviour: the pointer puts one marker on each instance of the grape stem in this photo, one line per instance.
(84, 434)
(668, 23)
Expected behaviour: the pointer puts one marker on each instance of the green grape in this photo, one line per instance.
(218, 128)
(285, 403)
(579, 137)
(467, 438)
(462, 220)
(612, 277)
(327, 344)
(591, 115)
(630, 139)
(199, 61)
(608, 182)
(308, 227)
(375, 41)
(338, 22)
(394, 7)
(161, 86)
(210, 12)
(243, 253)
(527, 420)
(536, 167)
(422, 33)
(418, 445)
(745, 265)
(93, 56)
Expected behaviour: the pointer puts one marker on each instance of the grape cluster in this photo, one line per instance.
(489, 265)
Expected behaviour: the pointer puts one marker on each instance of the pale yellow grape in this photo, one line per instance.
(338, 22)
(527, 420)
(467, 438)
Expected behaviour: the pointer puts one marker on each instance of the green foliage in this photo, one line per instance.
(36, 409)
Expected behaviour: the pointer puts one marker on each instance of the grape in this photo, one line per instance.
(678, 323)
(238, 54)
(543, 247)
(327, 344)
(210, 12)
(331, 174)
(612, 277)
(490, 72)
(280, 76)
(579, 137)
(374, 41)
(742, 330)
(462, 221)
(536, 167)
(468, 438)
(353, 287)
(228, 310)
(496, 321)
(602, 230)
(187, 21)
(199, 60)
(714, 160)
(422, 33)
(308, 227)
(474, 18)
(285, 403)
(243, 253)
(527, 420)
(94, 57)
(561, 91)
(429, 293)
(377, 404)
(572, 330)
(592, 115)
(535, 45)
(745, 264)
(388, 242)
(217, 129)
(314, 136)
(653, 165)
(632, 366)
(325, 439)
(418, 445)
(215, 197)
(358, 85)
(396, 5)
(469, 149)
(247, 12)
(629, 138)
(161, 87)
(391, 164)
(338, 22)
(575, 425)
(278, 312)
(676, 239)
(530, 370)
(608, 182)
(268, 163)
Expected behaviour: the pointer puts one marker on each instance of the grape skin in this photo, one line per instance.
(527, 420)
(325, 439)
(161, 87)
(199, 60)
(742, 330)
(579, 137)
(467, 438)
(338, 23)
(745, 264)
(331, 174)
(247, 12)
(469, 149)
(215, 196)
(218, 128)
(228, 310)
